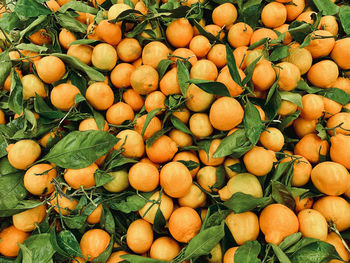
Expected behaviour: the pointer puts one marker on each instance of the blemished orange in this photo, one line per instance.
(330, 178)
(239, 35)
(149, 210)
(37, 179)
(307, 16)
(83, 177)
(164, 248)
(175, 179)
(195, 198)
(23, 153)
(277, 222)
(139, 236)
(225, 78)
(258, 161)
(81, 52)
(129, 50)
(262, 33)
(198, 100)
(294, 10)
(162, 150)
(188, 156)
(144, 79)
(303, 126)
(272, 139)
(95, 216)
(153, 53)
(243, 227)
(339, 53)
(335, 209)
(334, 239)
(110, 33)
(323, 73)
(301, 170)
(62, 204)
(91, 32)
(184, 224)
(340, 150)
(143, 177)
(200, 46)
(100, 95)
(131, 142)
(304, 203)
(90, 124)
(207, 158)
(169, 83)
(320, 47)
(330, 24)
(93, 243)
(204, 69)
(153, 126)
(179, 33)
(131, 97)
(200, 125)
(104, 57)
(28, 220)
(9, 239)
(226, 113)
(63, 96)
(119, 113)
(288, 76)
(301, 57)
(155, 100)
(224, 15)
(40, 37)
(115, 257)
(313, 107)
(311, 147)
(264, 75)
(340, 120)
(313, 224)
(120, 75)
(50, 69)
(66, 37)
(230, 254)
(32, 85)
(274, 14)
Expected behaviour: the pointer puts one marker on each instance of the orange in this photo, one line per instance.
(200, 125)
(197, 99)
(303, 127)
(288, 76)
(243, 227)
(162, 150)
(29, 219)
(90, 124)
(224, 15)
(215, 30)
(149, 210)
(153, 126)
(313, 107)
(240, 55)
(306, 16)
(188, 156)
(50, 69)
(323, 73)
(330, 24)
(263, 75)
(91, 32)
(334, 239)
(301, 57)
(52, 5)
(200, 46)
(119, 113)
(83, 177)
(2, 117)
(95, 216)
(40, 37)
(284, 29)
(23, 153)
(63, 96)
(153, 53)
(93, 243)
(184, 224)
(115, 257)
(175, 179)
(104, 56)
(195, 198)
(100, 95)
(320, 47)
(277, 222)
(331, 107)
(184, 53)
(339, 53)
(228, 162)
(182, 139)
(109, 32)
(81, 52)
(85, 18)
(342, 83)
(204, 69)
(311, 147)
(258, 161)
(139, 236)
(129, 49)
(49, 136)
(144, 79)
(304, 203)
(226, 79)
(341, 119)
(66, 37)
(330, 178)
(164, 248)
(131, 142)
(31, 84)
(37, 179)
(179, 33)
(274, 14)
(301, 170)
(119, 182)
(134, 99)
(226, 113)
(230, 254)
(208, 159)
(262, 33)
(313, 224)
(206, 177)
(9, 239)
(155, 100)
(62, 204)
(144, 177)
(116, 9)
(169, 83)
(120, 75)
(272, 139)
(294, 10)
(287, 108)
(183, 114)
(335, 209)
(339, 150)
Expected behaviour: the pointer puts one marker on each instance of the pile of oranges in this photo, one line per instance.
(174, 131)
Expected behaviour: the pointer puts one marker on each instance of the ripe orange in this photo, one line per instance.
(104, 56)
(100, 95)
(31, 84)
(311, 147)
(262, 33)
(239, 35)
(335, 240)
(287, 108)
(143, 177)
(339, 53)
(284, 29)
(119, 183)
(129, 49)
(179, 33)
(303, 127)
(339, 150)
(330, 24)
(90, 124)
(304, 203)
(144, 79)
(184, 53)
(116, 9)
(288, 76)
(188, 156)
(225, 78)
(313, 107)
(164, 248)
(95, 216)
(153, 126)
(119, 113)
(263, 75)
(115, 257)
(9, 239)
(2, 117)
(23, 153)
(63, 96)
(224, 15)
(131, 97)
(301, 170)
(331, 107)
(295, 9)
(66, 37)
(323, 73)
(182, 139)
(301, 57)
(215, 30)
(313, 224)
(197, 99)
(206, 178)
(307, 16)
(240, 55)
(139, 236)
(200, 46)
(81, 52)
(131, 142)
(50, 69)
(40, 37)
(320, 47)
(274, 14)
(208, 159)
(62, 204)
(272, 139)
(93, 243)
(83, 177)
(230, 254)
(120, 75)
(341, 118)
(109, 32)
(195, 198)
(258, 161)
(162, 150)
(28, 220)
(155, 100)
(200, 125)
(153, 53)
(169, 83)
(342, 83)
(37, 179)
(204, 69)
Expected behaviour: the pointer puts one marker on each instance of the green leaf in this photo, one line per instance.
(132, 203)
(232, 66)
(273, 106)
(107, 220)
(102, 178)
(78, 6)
(290, 240)
(84, 41)
(20, 207)
(292, 97)
(70, 23)
(327, 7)
(44, 110)
(344, 16)
(5, 66)
(253, 125)
(80, 149)
(9, 21)
(40, 247)
(189, 164)
(26, 253)
(149, 117)
(258, 43)
(78, 65)
(281, 195)
(336, 94)
(183, 76)
(180, 125)
(280, 255)
(140, 259)
(220, 178)
(156, 136)
(163, 67)
(212, 87)
(30, 8)
(288, 119)
(299, 30)
(248, 252)
(302, 85)
(321, 131)
(32, 47)
(240, 202)
(279, 53)
(159, 222)
(215, 218)
(212, 39)
(250, 13)
(67, 241)
(41, 19)
(250, 70)
(16, 93)
(56, 247)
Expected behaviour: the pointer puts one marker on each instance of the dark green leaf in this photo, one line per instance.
(292, 97)
(250, 70)
(288, 119)
(44, 110)
(280, 255)
(299, 30)
(30, 8)
(189, 164)
(20, 207)
(232, 66)
(212, 87)
(279, 53)
(159, 222)
(132, 203)
(251, 12)
(203, 32)
(327, 7)
(336, 94)
(70, 23)
(240, 202)
(40, 247)
(220, 177)
(273, 106)
(252, 123)
(16, 93)
(80, 149)
(156, 136)
(102, 178)
(67, 241)
(54, 244)
(107, 220)
(84, 41)
(163, 67)
(248, 252)
(77, 6)
(302, 85)
(41, 19)
(183, 76)
(344, 15)
(32, 47)
(281, 195)
(215, 219)
(180, 125)
(9, 21)
(290, 240)
(140, 259)
(258, 43)
(5, 66)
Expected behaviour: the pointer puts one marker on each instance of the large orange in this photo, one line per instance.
(9, 239)
(311, 147)
(162, 150)
(179, 33)
(93, 243)
(340, 53)
(139, 236)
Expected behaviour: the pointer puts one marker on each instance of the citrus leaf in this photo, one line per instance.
(282, 257)
(240, 202)
(279, 53)
(292, 97)
(149, 118)
(31, 8)
(5, 66)
(327, 7)
(232, 66)
(40, 247)
(77, 6)
(9, 21)
(183, 76)
(344, 16)
(290, 240)
(336, 94)
(281, 195)
(248, 252)
(179, 125)
(140, 259)
(212, 87)
(67, 241)
(253, 125)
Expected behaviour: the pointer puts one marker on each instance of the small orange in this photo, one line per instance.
(62, 204)
(40, 37)
(208, 159)
(274, 14)
(339, 53)
(153, 126)
(301, 170)
(294, 10)
(321, 47)
(181, 138)
(335, 240)
(342, 83)
(162, 150)
(23, 153)
(323, 73)
(303, 127)
(304, 203)
(63, 96)
(313, 107)
(134, 99)
(272, 139)
(288, 76)
(339, 150)
(200, 46)
(153, 53)
(200, 125)
(197, 99)
(169, 83)
(155, 100)
(81, 52)
(139, 236)
(341, 118)
(37, 179)
(100, 95)
(109, 32)
(258, 161)
(204, 69)
(206, 178)
(83, 177)
(129, 49)
(195, 198)
(131, 142)
(301, 57)
(240, 55)
(184, 53)
(313, 224)
(230, 254)
(115, 257)
(144, 79)
(307, 16)
(28, 220)
(330, 24)
(32, 85)
(188, 156)
(50, 69)
(331, 107)
(10, 237)
(120, 75)
(104, 56)
(179, 33)
(164, 248)
(262, 33)
(90, 124)
(284, 29)
(224, 15)
(239, 35)
(226, 79)
(95, 216)
(119, 113)
(66, 37)
(143, 177)
(263, 75)
(287, 108)
(215, 30)
(93, 243)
